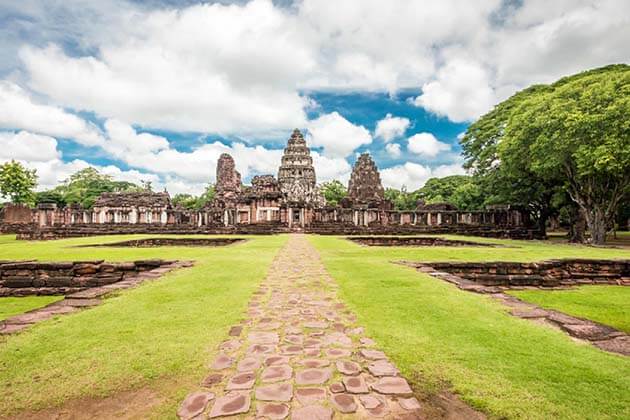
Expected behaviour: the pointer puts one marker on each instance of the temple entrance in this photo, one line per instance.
(297, 217)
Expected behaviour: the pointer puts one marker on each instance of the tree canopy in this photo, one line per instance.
(84, 187)
(334, 191)
(17, 183)
(571, 136)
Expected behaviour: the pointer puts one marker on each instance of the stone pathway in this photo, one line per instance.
(300, 354)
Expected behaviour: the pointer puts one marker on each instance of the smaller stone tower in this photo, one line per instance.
(365, 182)
(228, 185)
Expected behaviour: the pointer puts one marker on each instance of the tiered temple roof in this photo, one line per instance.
(134, 199)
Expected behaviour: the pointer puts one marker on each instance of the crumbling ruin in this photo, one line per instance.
(292, 201)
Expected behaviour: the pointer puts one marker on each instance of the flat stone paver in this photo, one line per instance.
(299, 354)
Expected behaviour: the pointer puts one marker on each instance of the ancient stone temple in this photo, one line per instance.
(228, 185)
(290, 202)
(296, 175)
(365, 185)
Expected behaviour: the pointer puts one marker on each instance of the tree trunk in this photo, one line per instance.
(577, 227)
(596, 221)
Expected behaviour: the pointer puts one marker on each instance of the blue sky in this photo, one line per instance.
(157, 90)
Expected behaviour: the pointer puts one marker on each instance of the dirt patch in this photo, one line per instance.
(155, 242)
(443, 404)
(136, 404)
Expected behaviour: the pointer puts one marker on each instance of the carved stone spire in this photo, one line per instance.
(296, 174)
(228, 186)
(365, 182)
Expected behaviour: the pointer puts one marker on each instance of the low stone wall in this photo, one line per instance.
(413, 241)
(458, 229)
(155, 242)
(32, 232)
(21, 278)
(551, 273)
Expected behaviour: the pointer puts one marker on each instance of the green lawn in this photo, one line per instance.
(10, 306)
(609, 305)
(161, 334)
(506, 366)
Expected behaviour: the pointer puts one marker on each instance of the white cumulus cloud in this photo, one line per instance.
(425, 144)
(391, 127)
(19, 111)
(393, 149)
(413, 175)
(338, 136)
(461, 91)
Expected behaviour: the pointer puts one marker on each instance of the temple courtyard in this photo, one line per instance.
(308, 326)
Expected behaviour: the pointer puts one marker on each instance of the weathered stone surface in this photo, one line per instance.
(308, 396)
(248, 364)
(312, 412)
(345, 403)
(222, 361)
(372, 354)
(313, 376)
(241, 381)
(230, 345)
(392, 386)
(212, 379)
(409, 403)
(315, 363)
(382, 368)
(194, 404)
(355, 385)
(230, 404)
(370, 401)
(228, 184)
(337, 387)
(275, 392)
(347, 367)
(263, 337)
(365, 181)
(296, 175)
(275, 360)
(336, 353)
(272, 411)
(235, 331)
(276, 373)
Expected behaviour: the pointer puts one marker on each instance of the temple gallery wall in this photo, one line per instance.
(290, 201)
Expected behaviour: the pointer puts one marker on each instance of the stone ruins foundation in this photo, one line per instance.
(292, 201)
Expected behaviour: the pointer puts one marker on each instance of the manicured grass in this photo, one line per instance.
(10, 306)
(437, 334)
(162, 332)
(609, 305)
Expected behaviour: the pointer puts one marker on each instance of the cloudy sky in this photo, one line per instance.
(156, 90)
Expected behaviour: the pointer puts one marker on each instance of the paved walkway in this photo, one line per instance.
(300, 354)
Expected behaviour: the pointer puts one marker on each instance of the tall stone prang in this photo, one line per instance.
(228, 185)
(296, 174)
(365, 182)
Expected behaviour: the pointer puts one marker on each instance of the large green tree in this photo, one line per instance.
(333, 191)
(84, 187)
(459, 190)
(572, 135)
(17, 183)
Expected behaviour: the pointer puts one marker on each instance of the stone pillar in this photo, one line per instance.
(225, 217)
(164, 217)
(429, 219)
(439, 219)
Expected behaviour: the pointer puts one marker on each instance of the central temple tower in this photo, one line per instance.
(297, 181)
(297, 163)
